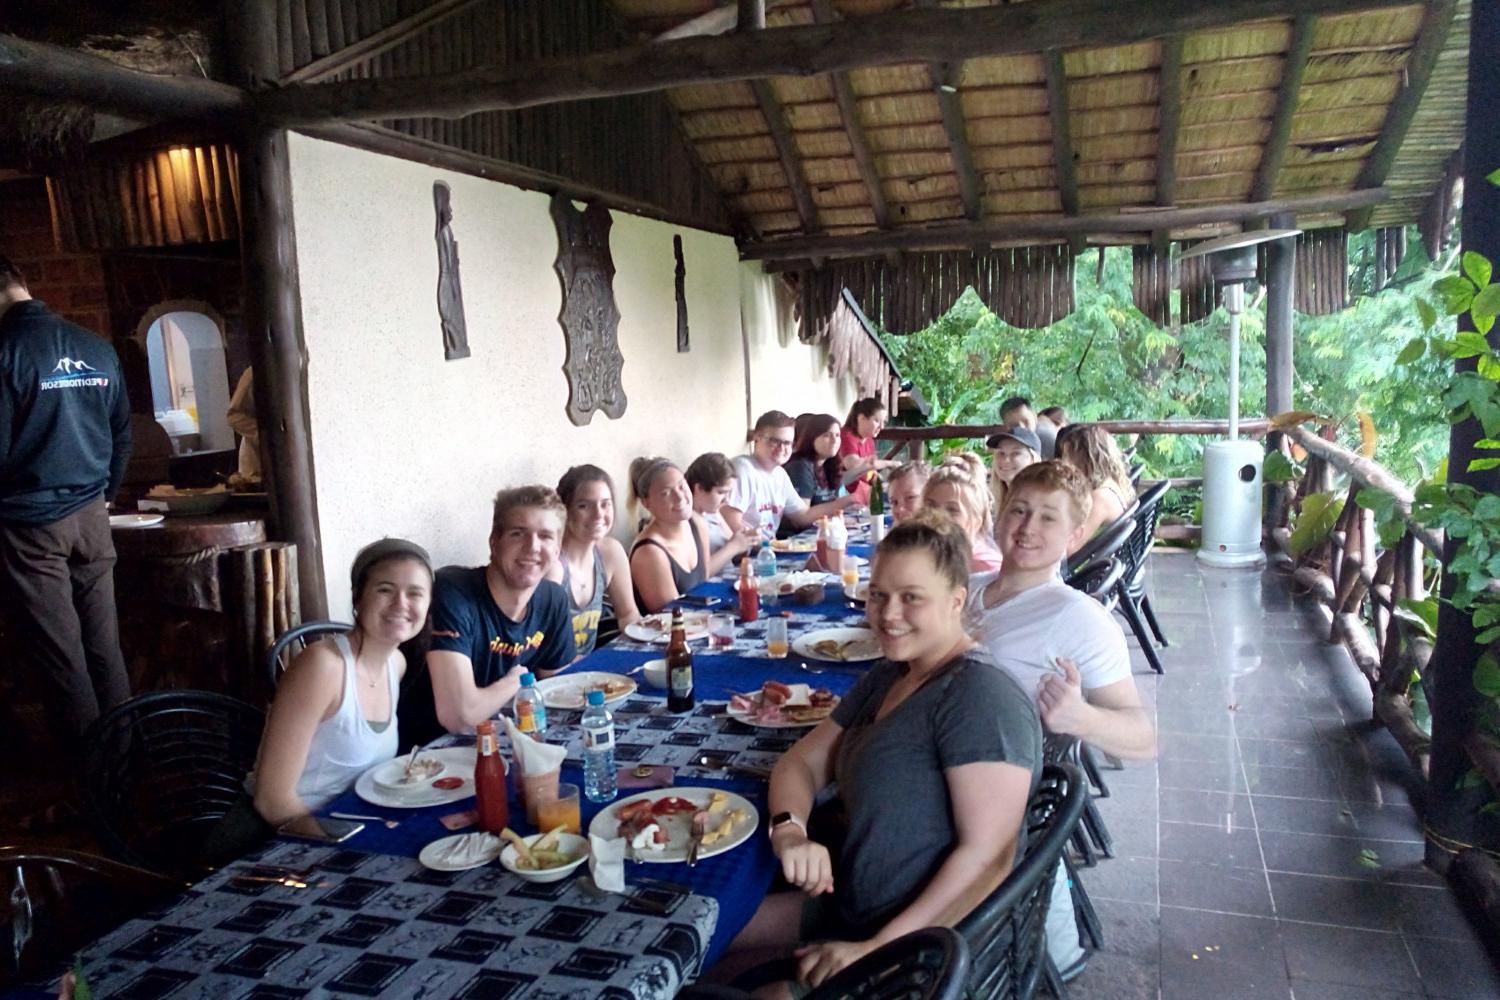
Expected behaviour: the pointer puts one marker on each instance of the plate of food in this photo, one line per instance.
(658, 627)
(787, 545)
(543, 857)
(849, 645)
(658, 825)
(185, 500)
(571, 690)
(783, 706)
(455, 782)
(409, 772)
(135, 520)
(461, 852)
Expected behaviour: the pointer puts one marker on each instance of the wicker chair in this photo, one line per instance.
(1135, 604)
(161, 769)
(58, 901)
(302, 635)
(1106, 542)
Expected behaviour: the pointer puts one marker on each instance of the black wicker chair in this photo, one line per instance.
(1136, 471)
(1101, 581)
(59, 901)
(1007, 932)
(1134, 602)
(1106, 542)
(929, 964)
(302, 635)
(161, 769)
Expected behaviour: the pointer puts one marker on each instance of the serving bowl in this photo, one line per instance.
(572, 843)
(655, 672)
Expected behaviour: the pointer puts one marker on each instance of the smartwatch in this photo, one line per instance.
(782, 819)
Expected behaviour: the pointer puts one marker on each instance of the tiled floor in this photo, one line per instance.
(1271, 850)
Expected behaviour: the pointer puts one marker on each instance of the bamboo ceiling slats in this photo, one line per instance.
(853, 350)
(1322, 285)
(126, 197)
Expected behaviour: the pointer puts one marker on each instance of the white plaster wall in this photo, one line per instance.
(785, 374)
(408, 444)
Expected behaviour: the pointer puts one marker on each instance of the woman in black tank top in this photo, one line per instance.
(669, 557)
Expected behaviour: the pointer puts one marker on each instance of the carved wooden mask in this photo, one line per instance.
(589, 317)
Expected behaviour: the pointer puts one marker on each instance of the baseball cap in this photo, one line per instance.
(1024, 435)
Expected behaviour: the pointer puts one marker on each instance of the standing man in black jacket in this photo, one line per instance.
(64, 441)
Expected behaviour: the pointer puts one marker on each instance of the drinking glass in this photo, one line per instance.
(776, 639)
(538, 789)
(721, 630)
(562, 811)
(850, 574)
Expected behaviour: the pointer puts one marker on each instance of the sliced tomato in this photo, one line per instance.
(448, 783)
(672, 804)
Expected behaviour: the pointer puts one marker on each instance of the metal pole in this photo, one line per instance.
(1234, 302)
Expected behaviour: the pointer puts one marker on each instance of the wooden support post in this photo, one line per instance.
(273, 313)
(1292, 69)
(1452, 812)
(1281, 281)
(791, 163)
(1169, 103)
(945, 82)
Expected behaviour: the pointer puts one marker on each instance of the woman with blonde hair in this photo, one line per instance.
(670, 555)
(959, 488)
(1091, 450)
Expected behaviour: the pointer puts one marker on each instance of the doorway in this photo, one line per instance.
(184, 344)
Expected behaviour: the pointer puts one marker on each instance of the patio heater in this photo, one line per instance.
(1232, 468)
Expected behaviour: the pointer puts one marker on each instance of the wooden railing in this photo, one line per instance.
(1358, 587)
(911, 438)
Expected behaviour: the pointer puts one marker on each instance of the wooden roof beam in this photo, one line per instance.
(1062, 135)
(859, 145)
(1021, 227)
(54, 73)
(944, 75)
(380, 41)
(1419, 65)
(1169, 124)
(1277, 143)
(941, 35)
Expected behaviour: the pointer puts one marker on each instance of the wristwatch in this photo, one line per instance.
(782, 819)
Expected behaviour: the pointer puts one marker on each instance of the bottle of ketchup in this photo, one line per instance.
(489, 780)
(748, 594)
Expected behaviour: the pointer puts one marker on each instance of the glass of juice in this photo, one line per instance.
(562, 811)
(721, 630)
(850, 574)
(776, 639)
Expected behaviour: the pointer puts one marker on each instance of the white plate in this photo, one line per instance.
(749, 719)
(695, 626)
(432, 854)
(794, 546)
(460, 764)
(859, 592)
(570, 690)
(803, 644)
(679, 827)
(388, 775)
(135, 520)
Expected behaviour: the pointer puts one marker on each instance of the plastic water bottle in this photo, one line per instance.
(765, 561)
(598, 750)
(530, 708)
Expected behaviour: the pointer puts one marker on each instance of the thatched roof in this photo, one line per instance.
(1227, 90)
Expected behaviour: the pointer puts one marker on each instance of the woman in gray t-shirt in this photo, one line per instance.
(935, 753)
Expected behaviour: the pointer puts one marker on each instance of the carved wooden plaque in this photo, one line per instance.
(589, 317)
(682, 323)
(449, 293)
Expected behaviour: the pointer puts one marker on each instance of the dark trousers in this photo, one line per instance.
(61, 578)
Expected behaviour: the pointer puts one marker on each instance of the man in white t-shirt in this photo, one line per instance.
(1063, 648)
(763, 493)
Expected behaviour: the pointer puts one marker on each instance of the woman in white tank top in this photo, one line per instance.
(335, 710)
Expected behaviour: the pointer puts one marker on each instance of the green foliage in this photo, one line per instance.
(1279, 469)
(1422, 615)
(1314, 522)
(1389, 525)
(1108, 361)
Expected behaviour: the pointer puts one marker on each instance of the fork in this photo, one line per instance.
(390, 824)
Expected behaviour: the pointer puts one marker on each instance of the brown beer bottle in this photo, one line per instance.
(679, 667)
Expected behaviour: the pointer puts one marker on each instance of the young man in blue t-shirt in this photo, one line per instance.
(492, 623)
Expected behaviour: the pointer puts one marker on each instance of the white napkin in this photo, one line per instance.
(607, 862)
(536, 757)
(472, 849)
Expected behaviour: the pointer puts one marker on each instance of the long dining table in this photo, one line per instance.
(373, 921)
